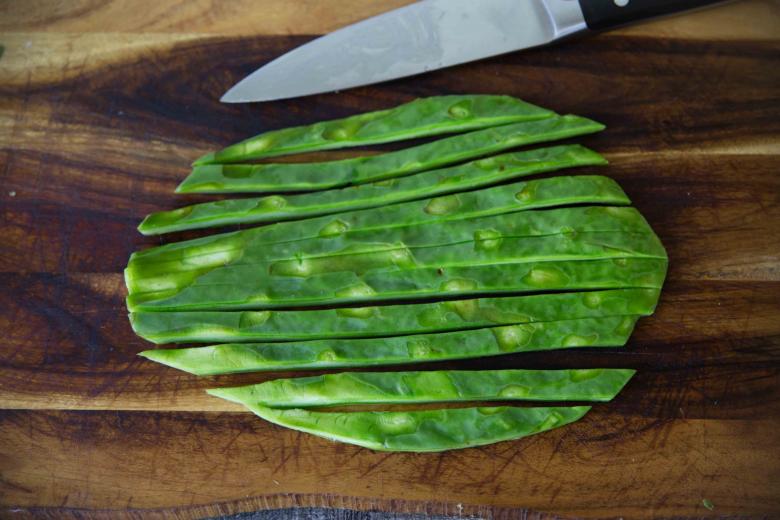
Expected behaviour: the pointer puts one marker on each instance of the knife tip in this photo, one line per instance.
(232, 98)
(246, 92)
(228, 98)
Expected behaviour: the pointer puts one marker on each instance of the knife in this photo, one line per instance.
(433, 34)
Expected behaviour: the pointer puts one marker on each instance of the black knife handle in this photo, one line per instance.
(605, 14)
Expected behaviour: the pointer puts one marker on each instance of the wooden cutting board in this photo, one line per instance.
(104, 104)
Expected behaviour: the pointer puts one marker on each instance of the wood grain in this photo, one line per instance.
(752, 19)
(104, 103)
(153, 460)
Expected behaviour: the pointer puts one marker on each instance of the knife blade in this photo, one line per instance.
(433, 34)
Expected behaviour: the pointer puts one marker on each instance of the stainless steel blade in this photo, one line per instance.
(424, 36)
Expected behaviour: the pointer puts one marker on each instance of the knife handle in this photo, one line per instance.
(605, 14)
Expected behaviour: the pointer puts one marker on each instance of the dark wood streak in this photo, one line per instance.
(657, 94)
(684, 357)
(114, 178)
